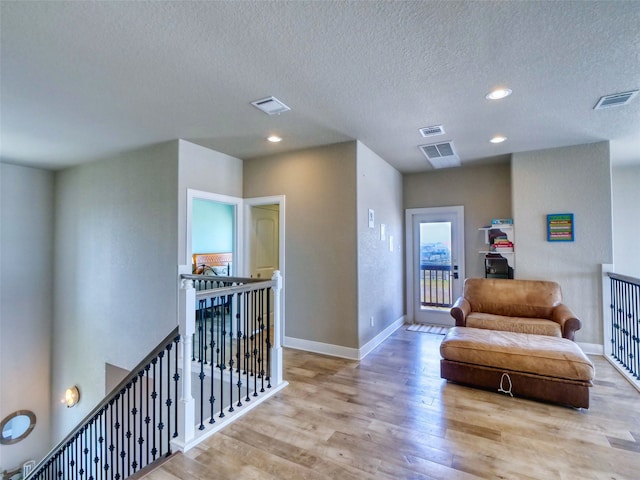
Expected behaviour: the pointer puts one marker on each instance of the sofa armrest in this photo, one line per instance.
(460, 310)
(568, 321)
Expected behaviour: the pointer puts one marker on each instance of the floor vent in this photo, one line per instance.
(271, 106)
(431, 131)
(441, 155)
(615, 100)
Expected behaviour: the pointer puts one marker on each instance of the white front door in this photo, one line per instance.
(435, 263)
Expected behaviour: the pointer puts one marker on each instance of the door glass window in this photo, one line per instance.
(436, 288)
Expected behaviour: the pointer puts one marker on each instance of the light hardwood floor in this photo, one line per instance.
(391, 416)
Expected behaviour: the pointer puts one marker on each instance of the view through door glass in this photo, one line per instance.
(436, 268)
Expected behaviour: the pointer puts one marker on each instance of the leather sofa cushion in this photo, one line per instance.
(520, 352)
(519, 298)
(536, 326)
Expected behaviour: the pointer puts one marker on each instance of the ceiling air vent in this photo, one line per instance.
(441, 155)
(271, 106)
(615, 100)
(431, 131)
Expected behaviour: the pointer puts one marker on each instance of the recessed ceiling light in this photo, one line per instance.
(498, 139)
(274, 139)
(498, 93)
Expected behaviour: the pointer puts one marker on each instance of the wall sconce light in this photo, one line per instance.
(71, 396)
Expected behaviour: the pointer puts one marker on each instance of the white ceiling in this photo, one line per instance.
(85, 80)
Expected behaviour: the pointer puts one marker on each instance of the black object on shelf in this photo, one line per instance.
(496, 266)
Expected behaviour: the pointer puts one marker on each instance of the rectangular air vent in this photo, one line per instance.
(431, 131)
(271, 106)
(441, 155)
(615, 100)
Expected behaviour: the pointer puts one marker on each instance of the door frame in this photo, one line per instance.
(410, 213)
(256, 202)
(237, 263)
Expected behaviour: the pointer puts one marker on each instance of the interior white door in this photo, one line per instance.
(435, 263)
(264, 254)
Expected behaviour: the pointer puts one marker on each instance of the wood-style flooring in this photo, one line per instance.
(391, 416)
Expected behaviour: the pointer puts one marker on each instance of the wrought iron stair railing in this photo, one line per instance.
(131, 428)
(622, 324)
(180, 395)
(233, 349)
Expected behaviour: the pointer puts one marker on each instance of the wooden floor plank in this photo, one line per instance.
(391, 416)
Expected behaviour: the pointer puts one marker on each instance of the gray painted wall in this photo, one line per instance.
(566, 180)
(115, 270)
(206, 170)
(380, 271)
(485, 193)
(26, 304)
(626, 219)
(321, 238)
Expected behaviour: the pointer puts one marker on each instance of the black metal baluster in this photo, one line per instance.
(90, 460)
(169, 400)
(134, 414)
(228, 315)
(112, 434)
(141, 404)
(238, 345)
(261, 339)
(247, 342)
(219, 350)
(212, 397)
(122, 435)
(147, 417)
(201, 376)
(154, 395)
(254, 340)
(222, 345)
(100, 453)
(160, 423)
(85, 451)
(127, 447)
(176, 379)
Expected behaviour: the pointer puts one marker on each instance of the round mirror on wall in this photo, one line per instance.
(17, 426)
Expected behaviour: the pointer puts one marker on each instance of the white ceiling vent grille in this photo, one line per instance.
(431, 131)
(271, 106)
(615, 100)
(441, 155)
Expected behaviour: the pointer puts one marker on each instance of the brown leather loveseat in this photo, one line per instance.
(521, 306)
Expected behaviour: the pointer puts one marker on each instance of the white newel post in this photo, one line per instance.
(187, 313)
(276, 364)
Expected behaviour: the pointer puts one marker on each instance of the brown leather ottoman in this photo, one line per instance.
(534, 366)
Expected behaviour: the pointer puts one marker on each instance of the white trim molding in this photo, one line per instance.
(340, 351)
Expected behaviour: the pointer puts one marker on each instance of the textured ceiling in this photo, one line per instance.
(85, 80)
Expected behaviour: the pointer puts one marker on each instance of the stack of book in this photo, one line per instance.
(502, 245)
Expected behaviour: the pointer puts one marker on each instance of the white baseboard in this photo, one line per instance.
(339, 350)
(319, 347)
(368, 347)
(591, 348)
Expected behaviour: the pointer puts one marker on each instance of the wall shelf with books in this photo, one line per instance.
(499, 238)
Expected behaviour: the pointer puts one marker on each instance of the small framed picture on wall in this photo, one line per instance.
(560, 227)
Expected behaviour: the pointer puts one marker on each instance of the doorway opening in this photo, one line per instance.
(435, 262)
